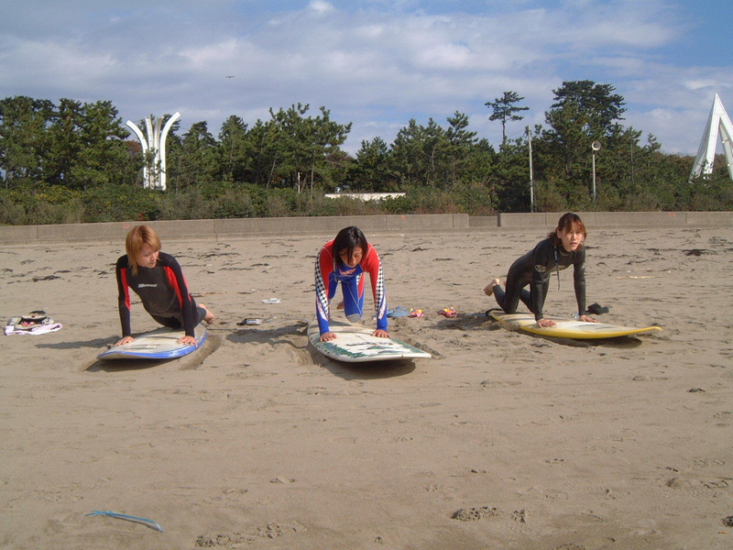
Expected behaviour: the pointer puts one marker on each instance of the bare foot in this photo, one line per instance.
(489, 289)
(340, 306)
(209, 317)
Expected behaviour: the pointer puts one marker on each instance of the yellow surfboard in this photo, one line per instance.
(565, 327)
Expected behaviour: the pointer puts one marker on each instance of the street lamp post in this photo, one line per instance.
(595, 147)
(531, 174)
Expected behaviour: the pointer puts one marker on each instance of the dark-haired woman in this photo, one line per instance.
(562, 248)
(345, 260)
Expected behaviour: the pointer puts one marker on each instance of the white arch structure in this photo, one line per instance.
(155, 143)
(718, 121)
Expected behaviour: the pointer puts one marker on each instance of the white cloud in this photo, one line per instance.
(321, 7)
(67, 65)
(376, 64)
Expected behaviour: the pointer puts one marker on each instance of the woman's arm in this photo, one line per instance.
(324, 267)
(123, 298)
(579, 280)
(178, 281)
(373, 265)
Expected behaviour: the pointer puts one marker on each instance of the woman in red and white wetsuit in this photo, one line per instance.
(345, 260)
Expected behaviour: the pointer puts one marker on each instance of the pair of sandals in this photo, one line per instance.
(448, 312)
(34, 318)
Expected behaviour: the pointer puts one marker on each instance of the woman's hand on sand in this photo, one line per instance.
(187, 340)
(124, 340)
(327, 336)
(380, 333)
(544, 323)
(587, 319)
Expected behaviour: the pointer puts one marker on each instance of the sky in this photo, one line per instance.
(375, 63)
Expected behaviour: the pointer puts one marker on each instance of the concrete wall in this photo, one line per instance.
(244, 227)
(483, 222)
(613, 220)
(229, 228)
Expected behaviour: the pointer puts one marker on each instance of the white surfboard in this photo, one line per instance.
(158, 344)
(565, 327)
(355, 344)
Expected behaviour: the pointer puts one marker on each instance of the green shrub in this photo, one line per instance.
(12, 212)
(37, 204)
(112, 203)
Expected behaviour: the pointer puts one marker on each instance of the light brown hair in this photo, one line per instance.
(136, 238)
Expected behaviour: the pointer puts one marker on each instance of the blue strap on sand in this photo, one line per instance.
(399, 311)
(147, 522)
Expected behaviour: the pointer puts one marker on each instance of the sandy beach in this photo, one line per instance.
(503, 440)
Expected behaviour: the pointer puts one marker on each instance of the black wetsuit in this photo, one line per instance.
(163, 292)
(535, 269)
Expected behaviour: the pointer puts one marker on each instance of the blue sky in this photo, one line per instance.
(375, 63)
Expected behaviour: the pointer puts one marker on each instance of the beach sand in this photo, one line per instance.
(503, 440)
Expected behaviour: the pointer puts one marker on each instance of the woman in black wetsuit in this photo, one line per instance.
(561, 249)
(156, 277)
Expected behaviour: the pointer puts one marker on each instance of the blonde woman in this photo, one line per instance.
(156, 277)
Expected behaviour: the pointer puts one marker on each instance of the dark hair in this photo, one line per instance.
(349, 239)
(566, 223)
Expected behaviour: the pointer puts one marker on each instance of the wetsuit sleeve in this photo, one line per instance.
(543, 261)
(579, 280)
(178, 282)
(324, 267)
(123, 296)
(373, 265)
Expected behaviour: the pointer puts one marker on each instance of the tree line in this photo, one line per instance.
(82, 157)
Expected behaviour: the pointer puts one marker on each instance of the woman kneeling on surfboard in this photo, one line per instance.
(156, 277)
(345, 260)
(561, 249)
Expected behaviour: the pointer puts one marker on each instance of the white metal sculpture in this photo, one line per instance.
(154, 145)
(718, 121)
